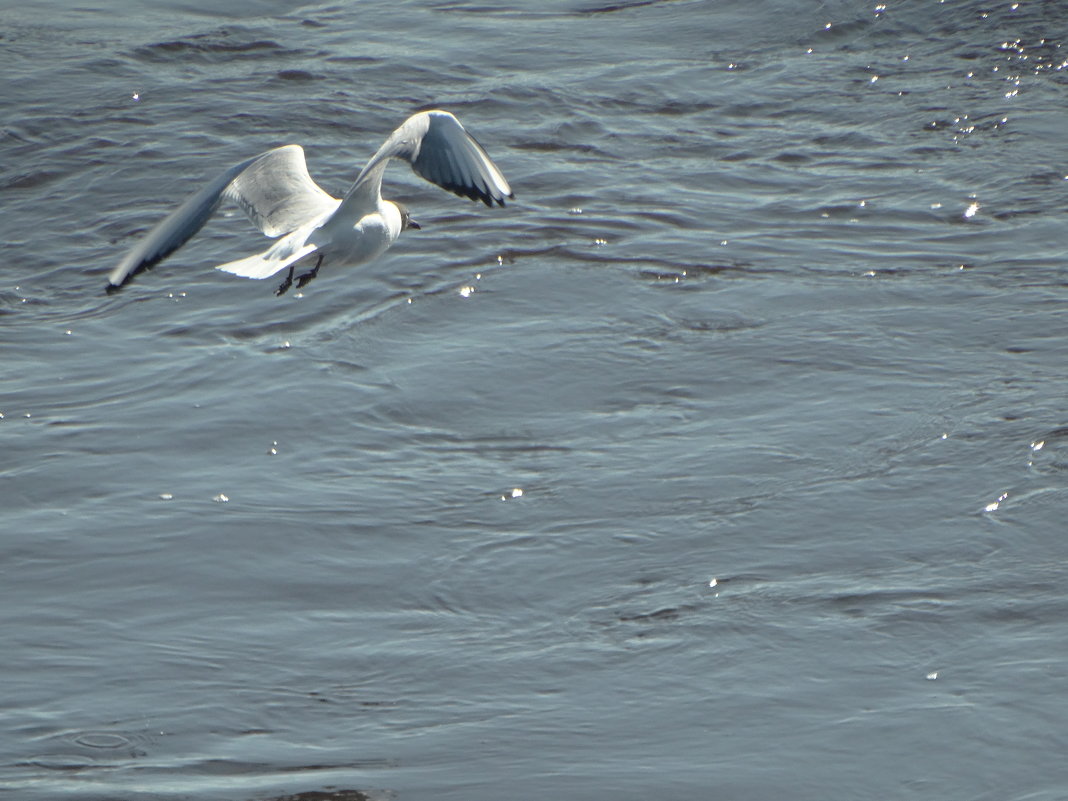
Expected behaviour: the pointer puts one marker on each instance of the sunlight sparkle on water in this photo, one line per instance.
(1035, 448)
(993, 507)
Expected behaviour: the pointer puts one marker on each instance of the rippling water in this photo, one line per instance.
(728, 462)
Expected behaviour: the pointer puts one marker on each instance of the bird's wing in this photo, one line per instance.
(273, 188)
(439, 150)
(276, 192)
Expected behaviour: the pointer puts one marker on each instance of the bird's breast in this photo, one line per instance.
(367, 239)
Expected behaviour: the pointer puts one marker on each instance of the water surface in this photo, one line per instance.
(728, 462)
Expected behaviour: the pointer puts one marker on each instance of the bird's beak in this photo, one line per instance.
(415, 225)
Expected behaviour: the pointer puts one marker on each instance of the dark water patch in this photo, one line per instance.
(219, 46)
(791, 158)
(331, 795)
(666, 615)
(13, 132)
(612, 8)
(296, 75)
(466, 7)
(350, 59)
(30, 180)
(559, 147)
(889, 602)
(843, 140)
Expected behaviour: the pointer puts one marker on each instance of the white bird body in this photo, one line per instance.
(279, 196)
(331, 235)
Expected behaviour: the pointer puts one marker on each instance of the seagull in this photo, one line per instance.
(280, 198)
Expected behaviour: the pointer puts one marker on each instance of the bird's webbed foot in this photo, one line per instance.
(285, 285)
(302, 280)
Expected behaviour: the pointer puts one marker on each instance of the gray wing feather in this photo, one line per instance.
(273, 188)
(276, 192)
(451, 158)
(174, 230)
(439, 150)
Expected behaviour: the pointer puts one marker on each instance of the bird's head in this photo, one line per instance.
(406, 217)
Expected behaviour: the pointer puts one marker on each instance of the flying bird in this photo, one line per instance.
(280, 198)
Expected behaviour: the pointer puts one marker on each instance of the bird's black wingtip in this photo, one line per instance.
(117, 283)
(489, 199)
(476, 194)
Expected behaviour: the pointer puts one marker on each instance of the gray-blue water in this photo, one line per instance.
(729, 462)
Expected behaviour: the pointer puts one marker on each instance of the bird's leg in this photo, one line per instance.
(314, 271)
(285, 285)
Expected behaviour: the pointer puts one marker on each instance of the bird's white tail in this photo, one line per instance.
(266, 264)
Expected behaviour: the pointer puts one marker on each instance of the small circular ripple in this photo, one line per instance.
(100, 739)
